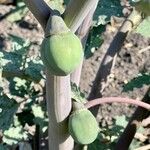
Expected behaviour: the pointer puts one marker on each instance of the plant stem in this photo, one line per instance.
(82, 33)
(58, 90)
(40, 10)
(76, 12)
(105, 100)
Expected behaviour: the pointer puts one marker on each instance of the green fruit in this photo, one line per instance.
(61, 53)
(143, 6)
(83, 126)
(61, 50)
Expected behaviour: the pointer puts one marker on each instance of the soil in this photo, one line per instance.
(128, 63)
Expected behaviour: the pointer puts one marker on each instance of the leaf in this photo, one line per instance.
(99, 145)
(76, 94)
(94, 40)
(121, 121)
(25, 117)
(40, 117)
(144, 28)
(3, 61)
(18, 59)
(8, 108)
(34, 68)
(135, 144)
(137, 82)
(17, 14)
(105, 10)
(13, 135)
(19, 87)
(37, 111)
(56, 4)
(66, 1)
(19, 45)
(17, 55)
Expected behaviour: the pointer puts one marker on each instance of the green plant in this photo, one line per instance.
(25, 73)
(83, 126)
(61, 50)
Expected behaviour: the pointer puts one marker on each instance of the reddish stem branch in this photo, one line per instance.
(105, 100)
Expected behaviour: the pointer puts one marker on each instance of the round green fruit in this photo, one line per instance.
(61, 53)
(143, 6)
(83, 126)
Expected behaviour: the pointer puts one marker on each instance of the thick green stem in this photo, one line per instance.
(58, 92)
(76, 12)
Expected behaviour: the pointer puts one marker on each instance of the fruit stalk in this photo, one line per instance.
(105, 100)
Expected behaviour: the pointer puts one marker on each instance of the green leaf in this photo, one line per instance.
(34, 68)
(13, 135)
(121, 121)
(105, 10)
(137, 82)
(66, 1)
(17, 14)
(40, 117)
(37, 111)
(17, 59)
(19, 45)
(56, 4)
(135, 144)
(94, 40)
(99, 145)
(17, 55)
(144, 28)
(26, 117)
(77, 95)
(8, 108)
(3, 147)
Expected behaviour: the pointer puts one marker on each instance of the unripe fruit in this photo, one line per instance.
(61, 53)
(83, 126)
(143, 6)
(61, 50)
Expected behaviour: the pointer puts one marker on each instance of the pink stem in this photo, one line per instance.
(100, 101)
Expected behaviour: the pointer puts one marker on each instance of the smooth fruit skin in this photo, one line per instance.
(61, 53)
(143, 6)
(83, 126)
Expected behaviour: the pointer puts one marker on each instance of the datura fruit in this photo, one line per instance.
(83, 126)
(61, 50)
(143, 6)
